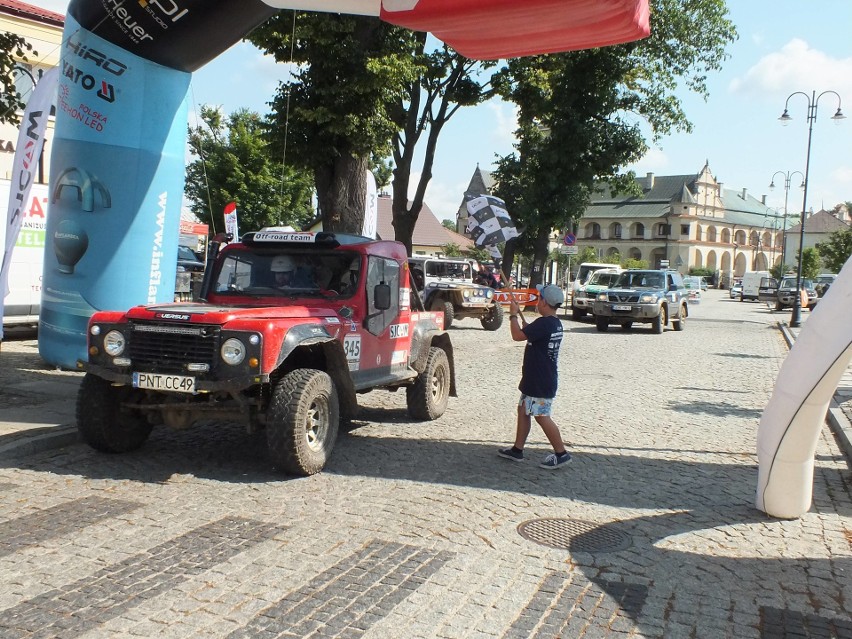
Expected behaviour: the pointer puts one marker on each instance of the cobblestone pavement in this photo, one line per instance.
(419, 530)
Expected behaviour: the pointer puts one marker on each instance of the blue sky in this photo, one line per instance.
(784, 46)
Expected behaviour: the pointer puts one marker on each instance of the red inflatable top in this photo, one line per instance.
(492, 29)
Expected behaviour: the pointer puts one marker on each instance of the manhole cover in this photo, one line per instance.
(574, 535)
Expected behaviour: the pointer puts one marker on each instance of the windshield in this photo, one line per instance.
(448, 269)
(599, 278)
(185, 253)
(640, 279)
(585, 270)
(790, 282)
(330, 274)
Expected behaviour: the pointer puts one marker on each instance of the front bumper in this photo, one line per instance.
(125, 378)
(626, 310)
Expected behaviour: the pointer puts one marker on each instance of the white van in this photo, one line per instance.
(751, 285)
(584, 271)
(21, 305)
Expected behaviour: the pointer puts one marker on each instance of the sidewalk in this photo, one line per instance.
(37, 401)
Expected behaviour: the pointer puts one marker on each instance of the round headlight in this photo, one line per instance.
(95, 329)
(233, 351)
(114, 343)
(466, 293)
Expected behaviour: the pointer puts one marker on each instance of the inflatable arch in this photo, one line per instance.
(117, 172)
(117, 167)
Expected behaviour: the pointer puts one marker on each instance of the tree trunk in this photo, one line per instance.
(542, 239)
(342, 193)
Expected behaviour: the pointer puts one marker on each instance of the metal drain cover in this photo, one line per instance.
(574, 535)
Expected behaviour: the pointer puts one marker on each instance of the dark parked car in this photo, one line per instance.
(787, 293)
(823, 282)
(188, 261)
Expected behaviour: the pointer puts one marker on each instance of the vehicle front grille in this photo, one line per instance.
(167, 348)
(623, 297)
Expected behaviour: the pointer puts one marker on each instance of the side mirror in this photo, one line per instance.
(382, 297)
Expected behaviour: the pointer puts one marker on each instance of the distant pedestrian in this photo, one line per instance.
(539, 375)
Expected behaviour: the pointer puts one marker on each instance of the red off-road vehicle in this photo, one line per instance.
(290, 326)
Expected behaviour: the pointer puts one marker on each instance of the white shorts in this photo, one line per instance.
(536, 405)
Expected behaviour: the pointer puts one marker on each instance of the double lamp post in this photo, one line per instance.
(813, 101)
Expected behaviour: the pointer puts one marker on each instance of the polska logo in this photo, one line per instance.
(105, 91)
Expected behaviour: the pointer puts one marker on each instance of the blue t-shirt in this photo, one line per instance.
(539, 375)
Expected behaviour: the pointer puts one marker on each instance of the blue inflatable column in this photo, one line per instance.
(117, 180)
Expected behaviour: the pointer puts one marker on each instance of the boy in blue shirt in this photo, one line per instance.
(539, 375)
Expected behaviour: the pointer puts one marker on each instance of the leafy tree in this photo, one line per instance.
(811, 263)
(572, 130)
(335, 115)
(701, 271)
(452, 250)
(445, 82)
(448, 224)
(836, 250)
(632, 262)
(13, 50)
(478, 253)
(234, 165)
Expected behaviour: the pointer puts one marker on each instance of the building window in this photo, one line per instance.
(663, 230)
(616, 230)
(684, 229)
(639, 231)
(593, 231)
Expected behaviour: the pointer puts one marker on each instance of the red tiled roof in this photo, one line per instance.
(427, 232)
(24, 10)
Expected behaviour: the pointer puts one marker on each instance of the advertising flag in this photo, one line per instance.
(371, 208)
(231, 220)
(30, 144)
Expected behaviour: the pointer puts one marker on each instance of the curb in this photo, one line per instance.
(40, 441)
(835, 417)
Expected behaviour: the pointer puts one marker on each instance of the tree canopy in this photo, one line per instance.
(579, 113)
(335, 116)
(836, 250)
(234, 164)
(13, 50)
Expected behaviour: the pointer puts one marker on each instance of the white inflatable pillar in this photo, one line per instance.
(790, 425)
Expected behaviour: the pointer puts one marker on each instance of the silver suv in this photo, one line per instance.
(654, 297)
(446, 285)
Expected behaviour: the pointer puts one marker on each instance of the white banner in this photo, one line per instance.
(28, 151)
(371, 209)
(231, 221)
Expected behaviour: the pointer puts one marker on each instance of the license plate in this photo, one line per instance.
(169, 383)
(621, 307)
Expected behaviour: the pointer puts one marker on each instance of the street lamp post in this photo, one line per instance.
(787, 177)
(813, 101)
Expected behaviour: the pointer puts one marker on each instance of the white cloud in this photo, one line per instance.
(796, 65)
(506, 122)
(443, 198)
(654, 161)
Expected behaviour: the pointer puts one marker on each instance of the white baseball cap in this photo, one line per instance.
(551, 294)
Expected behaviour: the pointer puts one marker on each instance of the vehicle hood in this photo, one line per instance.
(203, 313)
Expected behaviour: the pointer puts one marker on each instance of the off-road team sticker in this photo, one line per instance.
(404, 298)
(352, 350)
